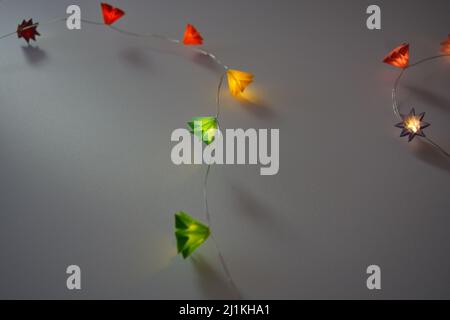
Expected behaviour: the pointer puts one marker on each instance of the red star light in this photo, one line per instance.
(412, 125)
(28, 30)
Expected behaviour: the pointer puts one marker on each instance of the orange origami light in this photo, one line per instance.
(446, 46)
(238, 81)
(111, 14)
(399, 57)
(192, 37)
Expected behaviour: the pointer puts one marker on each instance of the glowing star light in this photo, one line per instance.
(238, 81)
(28, 30)
(445, 49)
(204, 128)
(111, 14)
(192, 37)
(190, 233)
(412, 125)
(399, 57)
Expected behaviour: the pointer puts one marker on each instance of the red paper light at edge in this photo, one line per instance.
(446, 46)
(192, 36)
(28, 30)
(399, 57)
(111, 14)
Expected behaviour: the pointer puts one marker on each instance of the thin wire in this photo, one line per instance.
(219, 87)
(395, 105)
(37, 24)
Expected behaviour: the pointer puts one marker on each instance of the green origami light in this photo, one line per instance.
(190, 233)
(205, 128)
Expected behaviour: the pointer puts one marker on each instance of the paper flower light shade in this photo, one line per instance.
(412, 125)
(111, 14)
(192, 37)
(27, 30)
(399, 57)
(204, 128)
(446, 46)
(238, 81)
(190, 233)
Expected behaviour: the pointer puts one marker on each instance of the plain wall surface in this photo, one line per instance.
(86, 176)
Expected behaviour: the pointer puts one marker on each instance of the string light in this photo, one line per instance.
(445, 49)
(111, 14)
(190, 237)
(192, 37)
(238, 81)
(28, 30)
(412, 125)
(190, 233)
(205, 128)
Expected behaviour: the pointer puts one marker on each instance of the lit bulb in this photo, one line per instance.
(413, 124)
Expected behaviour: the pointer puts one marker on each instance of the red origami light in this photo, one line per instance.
(446, 46)
(192, 37)
(399, 57)
(111, 14)
(28, 30)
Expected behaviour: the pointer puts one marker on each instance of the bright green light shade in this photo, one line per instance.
(190, 233)
(204, 128)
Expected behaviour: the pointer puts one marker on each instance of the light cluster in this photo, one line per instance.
(412, 124)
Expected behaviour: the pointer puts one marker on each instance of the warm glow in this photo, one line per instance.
(399, 57)
(238, 81)
(412, 123)
(191, 36)
(111, 14)
(446, 46)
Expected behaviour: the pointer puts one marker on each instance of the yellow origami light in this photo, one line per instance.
(238, 81)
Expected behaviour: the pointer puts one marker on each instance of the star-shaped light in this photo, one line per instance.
(445, 49)
(399, 57)
(28, 30)
(412, 125)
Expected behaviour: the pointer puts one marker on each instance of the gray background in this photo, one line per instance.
(86, 176)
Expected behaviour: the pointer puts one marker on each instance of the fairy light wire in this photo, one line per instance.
(206, 204)
(218, 111)
(395, 105)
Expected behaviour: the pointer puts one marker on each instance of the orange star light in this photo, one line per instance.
(192, 37)
(446, 46)
(399, 57)
(111, 14)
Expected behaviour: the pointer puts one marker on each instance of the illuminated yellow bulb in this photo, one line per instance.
(413, 124)
(238, 81)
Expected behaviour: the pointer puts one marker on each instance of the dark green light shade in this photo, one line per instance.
(190, 233)
(206, 128)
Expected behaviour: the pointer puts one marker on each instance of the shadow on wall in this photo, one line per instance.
(35, 56)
